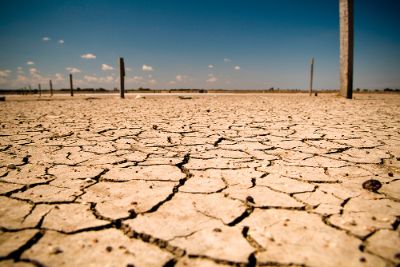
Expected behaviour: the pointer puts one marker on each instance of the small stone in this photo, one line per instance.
(372, 185)
(57, 250)
(390, 174)
(155, 127)
(25, 159)
(184, 97)
(353, 223)
(250, 199)
(11, 166)
(269, 236)
(217, 230)
(109, 249)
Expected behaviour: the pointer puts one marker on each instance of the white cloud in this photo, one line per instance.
(30, 63)
(211, 78)
(181, 78)
(20, 70)
(5, 73)
(95, 79)
(46, 39)
(147, 68)
(172, 82)
(106, 67)
(237, 67)
(128, 69)
(33, 70)
(73, 70)
(4, 76)
(61, 41)
(58, 77)
(22, 79)
(153, 81)
(35, 77)
(135, 80)
(91, 78)
(210, 66)
(88, 56)
(108, 79)
(227, 59)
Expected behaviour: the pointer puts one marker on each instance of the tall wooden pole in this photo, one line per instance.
(40, 90)
(51, 88)
(311, 75)
(71, 85)
(122, 76)
(346, 48)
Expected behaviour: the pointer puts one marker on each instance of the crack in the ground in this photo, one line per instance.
(181, 183)
(218, 261)
(249, 210)
(255, 129)
(16, 254)
(162, 244)
(219, 140)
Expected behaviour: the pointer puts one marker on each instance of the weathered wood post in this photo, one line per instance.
(71, 85)
(122, 76)
(311, 75)
(40, 90)
(346, 48)
(51, 88)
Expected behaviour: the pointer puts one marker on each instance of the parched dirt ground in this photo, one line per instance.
(243, 180)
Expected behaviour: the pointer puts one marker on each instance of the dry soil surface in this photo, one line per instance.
(242, 180)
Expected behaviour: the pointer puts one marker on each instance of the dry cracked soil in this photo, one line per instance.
(211, 180)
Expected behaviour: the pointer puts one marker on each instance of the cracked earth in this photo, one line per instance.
(242, 180)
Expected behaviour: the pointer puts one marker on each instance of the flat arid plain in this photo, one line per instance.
(214, 180)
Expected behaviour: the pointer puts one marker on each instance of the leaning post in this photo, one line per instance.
(51, 88)
(71, 85)
(122, 76)
(40, 90)
(346, 48)
(311, 75)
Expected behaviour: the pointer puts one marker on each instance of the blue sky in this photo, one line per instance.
(194, 43)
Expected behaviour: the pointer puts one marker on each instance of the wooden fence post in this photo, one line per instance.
(71, 85)
(40, 90)
(51, 88)
(311, 75)
(346, 48)
(122, 76)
